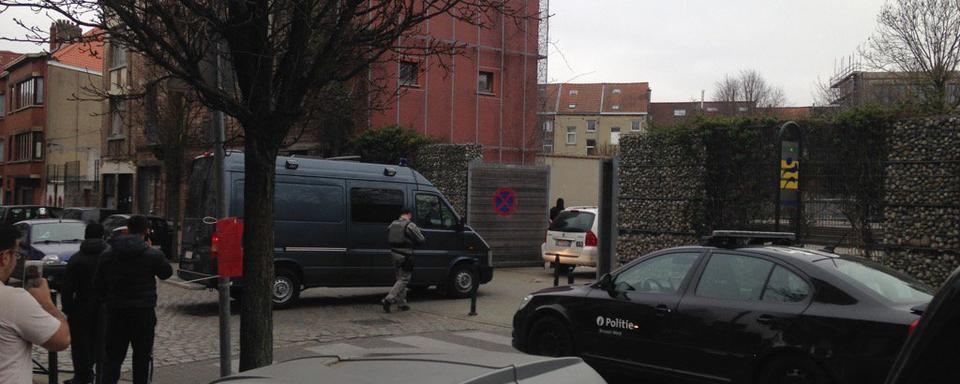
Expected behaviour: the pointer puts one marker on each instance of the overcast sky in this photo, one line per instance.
(682, 46)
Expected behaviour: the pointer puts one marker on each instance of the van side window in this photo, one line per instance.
(373, 205)
(308, 202)
(433, 213)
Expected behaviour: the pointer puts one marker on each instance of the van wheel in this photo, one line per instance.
(793, 369)
(550, 337)
(286, 288)
(461, 281)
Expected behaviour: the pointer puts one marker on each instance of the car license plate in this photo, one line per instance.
(563, 243)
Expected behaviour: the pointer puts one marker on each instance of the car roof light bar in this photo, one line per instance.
(734, 239)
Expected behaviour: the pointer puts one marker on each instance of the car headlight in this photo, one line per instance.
(524, 301)
(51, 260)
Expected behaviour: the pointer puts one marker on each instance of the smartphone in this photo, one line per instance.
(32, 273)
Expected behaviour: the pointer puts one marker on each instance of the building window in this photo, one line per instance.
(573, 92)
(616, 91)
(380, 206)
(591, 125)
(711, 109)
(117, 108)
(591, 147)
(571, 135)
(572, 106)
(548, 141)
(2, 152)
(616, 107)
(3, 106)
(485, 82)
(614, 135)
(548, 126)
(742, 109)
(27, 93)
(118, 55)
(408, 73)
(38, 145)
(20, 151)
(679, 112)
(635, 125)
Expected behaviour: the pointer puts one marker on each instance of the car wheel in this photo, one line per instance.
(793, 370)
(286, 288)
(461, 281)
(550, 337)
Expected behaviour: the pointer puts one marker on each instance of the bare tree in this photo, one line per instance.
(278, 51)
(824, 95)
(747, 89)
(921, 39)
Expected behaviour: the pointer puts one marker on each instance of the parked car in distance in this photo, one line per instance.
(931, 352)
(161, 230)
(11, 214)
(425, 367)
(88, 214)
(573, 235)
(733, 310)
(52, 242)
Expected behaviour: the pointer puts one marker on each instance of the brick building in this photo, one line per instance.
(44, 119)
(588, 119)
(487, 95)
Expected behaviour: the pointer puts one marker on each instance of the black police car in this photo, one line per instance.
(729, 311)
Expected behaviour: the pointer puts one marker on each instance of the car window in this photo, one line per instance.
(661, 274)
(433, 213)
(56, 232)
(785, 287)
(573, 221)
(372, 205)
(889, 284)
(73, 214)
(735, 277)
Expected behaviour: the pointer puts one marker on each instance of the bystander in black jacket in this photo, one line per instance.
(81, 303)
(128, 272)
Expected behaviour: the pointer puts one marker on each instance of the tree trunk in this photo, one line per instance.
(256, 314)
(174, 177)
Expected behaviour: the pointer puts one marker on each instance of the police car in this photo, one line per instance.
(731, 312)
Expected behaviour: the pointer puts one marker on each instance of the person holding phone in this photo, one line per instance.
(27, 317)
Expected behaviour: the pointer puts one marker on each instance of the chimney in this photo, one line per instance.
(63, 32)
(53, 37)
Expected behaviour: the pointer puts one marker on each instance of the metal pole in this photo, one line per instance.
(476, 287)
(556, 271)
(570, 276)
(223, 285)
(53, 374)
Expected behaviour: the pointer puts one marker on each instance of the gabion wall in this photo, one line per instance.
(661, 193)
(922, 196)
(446, 166)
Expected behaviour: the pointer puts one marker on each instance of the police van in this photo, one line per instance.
(330, 227)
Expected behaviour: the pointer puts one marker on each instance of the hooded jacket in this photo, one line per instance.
(128, 272)
(78, 290)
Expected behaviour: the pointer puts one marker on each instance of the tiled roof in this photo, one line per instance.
(87, 53)
(596, 98)
(7, 56)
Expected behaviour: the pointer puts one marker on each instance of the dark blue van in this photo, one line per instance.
(330, 227)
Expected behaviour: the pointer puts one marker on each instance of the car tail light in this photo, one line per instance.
(913, 326)
(215, 245)
(591, 239)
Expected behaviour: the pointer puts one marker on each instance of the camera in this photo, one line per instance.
(32, 273)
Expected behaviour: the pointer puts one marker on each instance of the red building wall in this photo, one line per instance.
(28, 174)
(446, 104)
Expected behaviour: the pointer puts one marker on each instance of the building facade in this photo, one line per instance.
(487, 95)
(588, 119)
(47, 128)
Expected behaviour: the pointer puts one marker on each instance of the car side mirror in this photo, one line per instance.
(606, 282)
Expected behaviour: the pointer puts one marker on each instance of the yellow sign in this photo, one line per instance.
(789, 174)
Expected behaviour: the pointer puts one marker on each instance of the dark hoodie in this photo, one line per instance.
(78, 291)
(128, 272)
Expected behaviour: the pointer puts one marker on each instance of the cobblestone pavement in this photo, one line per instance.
(187, 326)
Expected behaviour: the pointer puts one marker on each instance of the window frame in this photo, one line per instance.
(571, 135)
(679, 112)
(414, 72)
(443, 204)
(615, 133)
(393, 216)
(592, 123)
(636, 125)
(693, 273)
(591, 148)
(488, 75)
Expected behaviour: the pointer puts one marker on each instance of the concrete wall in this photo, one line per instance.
(575, 179)
(601, 135)
(72, 129)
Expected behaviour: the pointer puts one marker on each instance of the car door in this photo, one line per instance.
(739, 305)
(439, 225)
(373, 206)
(630, 320)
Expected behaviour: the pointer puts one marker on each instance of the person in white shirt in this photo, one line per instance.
(27, 317)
